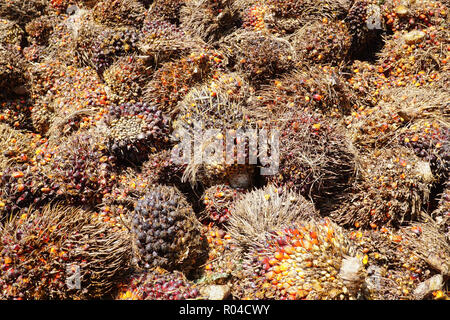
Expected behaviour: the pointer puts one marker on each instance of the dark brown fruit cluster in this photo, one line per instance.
(165, 230)
(134, 130)
(158, 285)
(41, 252)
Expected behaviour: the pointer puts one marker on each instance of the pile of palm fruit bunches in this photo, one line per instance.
(117, 179)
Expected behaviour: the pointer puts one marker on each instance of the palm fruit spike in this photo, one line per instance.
(162, 40)
(261, 211)
(307, 260)
(82, 167)
(135, 130)
(166, 231)
(218, 201)
(394, 269)
(390, 192)
(119, 12)
(10, 33)
(173, 80)
(208, 19)
(204, 108)
(40, 251)
(258, 56)
(322, 42)
(158, 284)
(316, 157)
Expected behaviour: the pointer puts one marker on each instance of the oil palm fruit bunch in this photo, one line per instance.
(83, 168)
(12, 69)
(10, 33)
(134, 130)
(394, 270)
(39, 30)
(208, 108)
(161, 168)
(322, 41)
(208, 19)
(165, 230)
(44, 253)
(112, 43)
(22, 11)
(306, 260)
(168, 10)
(15, 146)
(163, 40)
(317, 159)
(158, 284)
(218, 201)
(390, 192)
(119, 12)
(15, 110)
(258, 56)
(409, 15)
(173, 80)
(126, 78)
(365, 23)
(264, 210)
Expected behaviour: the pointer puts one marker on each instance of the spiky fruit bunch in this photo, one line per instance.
(409, 15)
(430, 141)
(110, 44)
(322, 42)
(162, 40)
(158, 284)
(394, 267)
(206, 108)
(16, 111)
(161, 168)
(83, 169)
(22, 11)
(218, 201)
(59, 6)
(126, 78)
(166, 231)
(45, 251)
(307, 260)
(258, 56)
(316, 157)
(12, 68)
(316, 87)
(391, 191)
(168, 10)
(119, 12)
(39, 29)
(134, 130)
(10, 33)
(406, 54)
(255, 17)
(312, 8)
(15, 146)
(173, 80)
(264, 210)
(208, 19)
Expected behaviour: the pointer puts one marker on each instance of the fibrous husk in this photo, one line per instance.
(390, 191)
(306, 260)
(321, 42)
(258, 213)
(61, 253)
(208, 19)
(258, 56)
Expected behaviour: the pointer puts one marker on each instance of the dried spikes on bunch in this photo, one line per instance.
(42, 248)
(166, 232)
(258, 213)
(168, 10)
